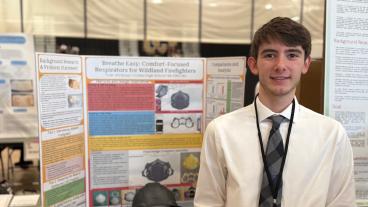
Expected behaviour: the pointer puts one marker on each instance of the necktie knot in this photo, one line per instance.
(276, 121)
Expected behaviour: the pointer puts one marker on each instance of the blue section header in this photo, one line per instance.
(12, 40)
(20, 110)
(18, 62)
(121, 123)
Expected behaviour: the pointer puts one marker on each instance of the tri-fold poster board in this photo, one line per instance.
(109, 125)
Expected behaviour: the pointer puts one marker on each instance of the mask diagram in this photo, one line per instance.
(173, 123)
(157, 170)
(180, 100)
(182, 121)
(166, 167)
(178, 108)
(178, 97)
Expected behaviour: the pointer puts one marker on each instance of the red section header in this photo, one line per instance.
(118, 97)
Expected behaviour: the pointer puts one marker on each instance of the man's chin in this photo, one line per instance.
(282, 92)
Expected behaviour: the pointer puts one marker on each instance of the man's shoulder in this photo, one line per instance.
(235, 120)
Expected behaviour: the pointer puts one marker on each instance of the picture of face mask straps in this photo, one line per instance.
(182, 121)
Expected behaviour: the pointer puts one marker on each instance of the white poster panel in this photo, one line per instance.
(18, 107)
(61, 129)
(346, 79)
(225, 85)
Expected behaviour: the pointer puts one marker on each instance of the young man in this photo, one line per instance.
(276, 152)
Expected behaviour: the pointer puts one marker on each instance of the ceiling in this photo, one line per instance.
(209, 21)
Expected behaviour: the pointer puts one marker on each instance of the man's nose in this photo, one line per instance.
(280, 63)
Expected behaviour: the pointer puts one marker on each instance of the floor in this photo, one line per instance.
(21, 181)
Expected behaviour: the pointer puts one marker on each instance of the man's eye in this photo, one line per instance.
(270, 55)
(293, 55)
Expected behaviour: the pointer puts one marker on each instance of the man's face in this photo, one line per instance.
(279, 68)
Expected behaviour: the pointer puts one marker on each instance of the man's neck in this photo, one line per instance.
(276, 104)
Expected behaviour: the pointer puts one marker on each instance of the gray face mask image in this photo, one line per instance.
(161, 91)
(157, 170)
(180, 100)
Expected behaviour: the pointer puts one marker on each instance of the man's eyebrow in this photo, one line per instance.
(268, 50)
(291, 50)
(295, 50)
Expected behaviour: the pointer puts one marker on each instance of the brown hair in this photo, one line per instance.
(285, 30)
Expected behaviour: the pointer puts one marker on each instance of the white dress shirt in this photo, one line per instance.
(318, 169)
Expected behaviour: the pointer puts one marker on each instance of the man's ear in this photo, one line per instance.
(307, 63)
(252, 64)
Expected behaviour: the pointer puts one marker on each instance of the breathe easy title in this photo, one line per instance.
(142, 66)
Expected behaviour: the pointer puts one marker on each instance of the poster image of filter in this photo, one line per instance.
(18, 107)
(225, 85)
(139, 104)
(61, 127)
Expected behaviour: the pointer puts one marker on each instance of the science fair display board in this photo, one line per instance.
(109, 125)
(18, 110)
(225, 86)
(346, 75)
(61, 129)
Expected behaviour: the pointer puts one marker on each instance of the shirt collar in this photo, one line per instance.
(264, 112)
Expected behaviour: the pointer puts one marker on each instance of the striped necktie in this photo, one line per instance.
(274, 155)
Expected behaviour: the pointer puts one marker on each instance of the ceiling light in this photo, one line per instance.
(212, 4)
(268, 6)
(157, 1)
